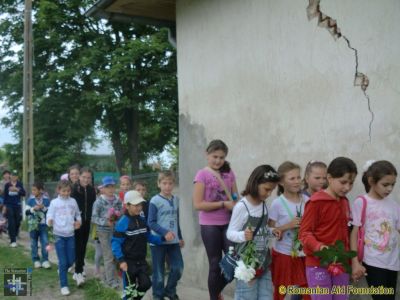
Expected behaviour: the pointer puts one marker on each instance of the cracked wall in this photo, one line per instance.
(276, 86)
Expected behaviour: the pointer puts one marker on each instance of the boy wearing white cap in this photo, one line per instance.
(129, 244)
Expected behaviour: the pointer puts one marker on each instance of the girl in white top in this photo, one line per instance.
(288, 261)
(250, 213)
(382, 222)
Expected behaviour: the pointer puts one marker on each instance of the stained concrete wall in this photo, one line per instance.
(275, 86)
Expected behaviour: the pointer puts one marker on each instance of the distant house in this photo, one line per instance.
(277, 86)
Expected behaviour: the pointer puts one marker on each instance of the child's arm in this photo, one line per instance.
(117, 240)
(46, 203)
(274, 216)
(357, 269)
(238, 219)
(308, 224)
(96, 217)
(77, 216)
(198, 199)
(29, 209)
(152, 223)
(21, 190)
(50, 214)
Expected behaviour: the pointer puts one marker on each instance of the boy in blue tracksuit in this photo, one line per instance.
(129, 245)
(35, 210)
(163, 220)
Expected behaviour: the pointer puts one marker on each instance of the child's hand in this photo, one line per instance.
(77, 224)
(181, 243)
(123, 266)
(295, 223)
(323, 247)
(169, 236)
(277, 233)
(229, 204)
(50, 222)
(248, 234)
(358, 270)
(36, 207)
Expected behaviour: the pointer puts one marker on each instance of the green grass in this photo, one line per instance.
(94, 289)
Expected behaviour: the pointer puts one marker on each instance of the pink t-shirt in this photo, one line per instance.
(214, 192)
(382, 222)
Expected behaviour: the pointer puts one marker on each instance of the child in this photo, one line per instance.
(125, 184)
(314, 178)
(214, 206)
(141, 187)
(325, 221)
(13, 191)
(36, 209)
(382, 221)
(163, 220)
(106, 210)
(64, 216)
(288, 261)
(248, 213)
(129, 244)
(85, 195)
(73, 173)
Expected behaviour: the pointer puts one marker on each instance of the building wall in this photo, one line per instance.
(276, 86)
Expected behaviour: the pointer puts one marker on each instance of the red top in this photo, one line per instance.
(324, 222)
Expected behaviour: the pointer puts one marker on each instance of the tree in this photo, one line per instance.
(87, 71)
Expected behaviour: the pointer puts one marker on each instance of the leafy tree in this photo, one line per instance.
(86, 71)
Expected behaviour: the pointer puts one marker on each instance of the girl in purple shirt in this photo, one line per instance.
(214, 206)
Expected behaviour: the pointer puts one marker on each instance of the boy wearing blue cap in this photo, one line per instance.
(106, 210)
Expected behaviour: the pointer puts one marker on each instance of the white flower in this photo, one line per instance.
(243, 272)
(367, 164)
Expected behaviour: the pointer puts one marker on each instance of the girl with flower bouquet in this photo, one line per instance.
(288, 259)
(106, 211)
(380, 259)
(325, 223)
(250, 214)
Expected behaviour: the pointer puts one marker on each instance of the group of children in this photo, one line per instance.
(308, 215)
(122, 224)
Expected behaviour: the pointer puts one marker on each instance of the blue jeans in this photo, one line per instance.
(65, 248)
(158, 254)
(258, 289)
(35, 235)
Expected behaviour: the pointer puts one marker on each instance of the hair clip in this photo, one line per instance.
(368, 164)
(270, 175)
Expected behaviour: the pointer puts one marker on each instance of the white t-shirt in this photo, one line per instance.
(382, 222)
(64, 212)
(235, 232)
(280, 215)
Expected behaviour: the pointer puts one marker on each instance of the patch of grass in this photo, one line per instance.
(90, 252)
(94, 289)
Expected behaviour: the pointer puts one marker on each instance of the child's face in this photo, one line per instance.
(342, 185)
(36, 192)
(85, 178)
(14, 178)
(74, 175)
(216, 159)
(316, 179)
(109, 190)
(265, 190)
(134, 210)
(141, 189)
(125, 185)
(383, 187)
(166, 186)
(6, 176)
(64, 192)
(291, 181)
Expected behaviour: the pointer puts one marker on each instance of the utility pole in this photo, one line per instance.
(27, 135)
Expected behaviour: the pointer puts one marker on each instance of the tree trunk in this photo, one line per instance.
(132, 125)
(118, 150)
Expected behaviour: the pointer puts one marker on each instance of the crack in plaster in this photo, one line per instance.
(324, 21)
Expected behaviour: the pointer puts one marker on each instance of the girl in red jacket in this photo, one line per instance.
(325, 221)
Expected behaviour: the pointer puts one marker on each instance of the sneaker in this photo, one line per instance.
(83, 274)
(13, 245)
(37, 264)
(78, 278)
(46, 264)
(65, 291)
